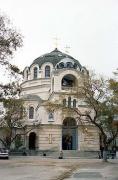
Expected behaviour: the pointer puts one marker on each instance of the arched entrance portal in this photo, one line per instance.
(69, 134)
(32, 141)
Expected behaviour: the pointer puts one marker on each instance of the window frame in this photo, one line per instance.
(35, 73)
(27, 74)
(69, 102)
(47, 71)
(64, 102)
(74, 103)
(31, 112)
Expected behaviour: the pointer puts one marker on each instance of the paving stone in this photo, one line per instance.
(112, 178)
(88, 175)
(83, 179)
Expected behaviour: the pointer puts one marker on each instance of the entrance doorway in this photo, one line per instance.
(69, 134)
(32, 141)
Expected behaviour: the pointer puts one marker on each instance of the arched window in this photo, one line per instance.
(61, 65)
(74, 103)
(64, 102)
(35, 72)
(75, 66)
(27, 74)
(69, 102)
(47, 71)
(31, 112)
(51, 115)
(69, 65)
(82, 70)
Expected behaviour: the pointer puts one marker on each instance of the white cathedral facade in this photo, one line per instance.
(54, 77)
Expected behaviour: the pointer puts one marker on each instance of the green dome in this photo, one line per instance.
(54, 57)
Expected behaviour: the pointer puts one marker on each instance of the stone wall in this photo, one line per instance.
(50, 137)
(88, 139)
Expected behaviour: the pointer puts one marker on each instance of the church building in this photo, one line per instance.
(54, 77)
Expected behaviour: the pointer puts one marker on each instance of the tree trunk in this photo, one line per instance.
(105, 156)
(105, 151)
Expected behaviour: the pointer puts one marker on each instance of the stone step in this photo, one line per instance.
(66, 153)
(74, 153)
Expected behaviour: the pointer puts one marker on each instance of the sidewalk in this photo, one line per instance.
(96, 171)
(43, 168)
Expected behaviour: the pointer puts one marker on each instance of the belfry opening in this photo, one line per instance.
(69, 134)
(68, 81)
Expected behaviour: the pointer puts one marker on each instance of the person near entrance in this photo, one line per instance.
(68, 142)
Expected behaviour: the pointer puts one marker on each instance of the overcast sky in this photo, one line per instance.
(89, 27)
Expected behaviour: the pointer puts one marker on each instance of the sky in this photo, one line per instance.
(88, 27)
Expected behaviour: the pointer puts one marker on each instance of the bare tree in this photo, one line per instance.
(98, 96)
(12, 120)
(10, 40)
(100, 110)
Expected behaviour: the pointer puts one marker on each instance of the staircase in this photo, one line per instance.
(80, 154)
(75, 154)
(66, 154)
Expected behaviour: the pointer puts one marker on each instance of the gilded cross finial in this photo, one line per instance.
(67, 49)
(56, 40)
